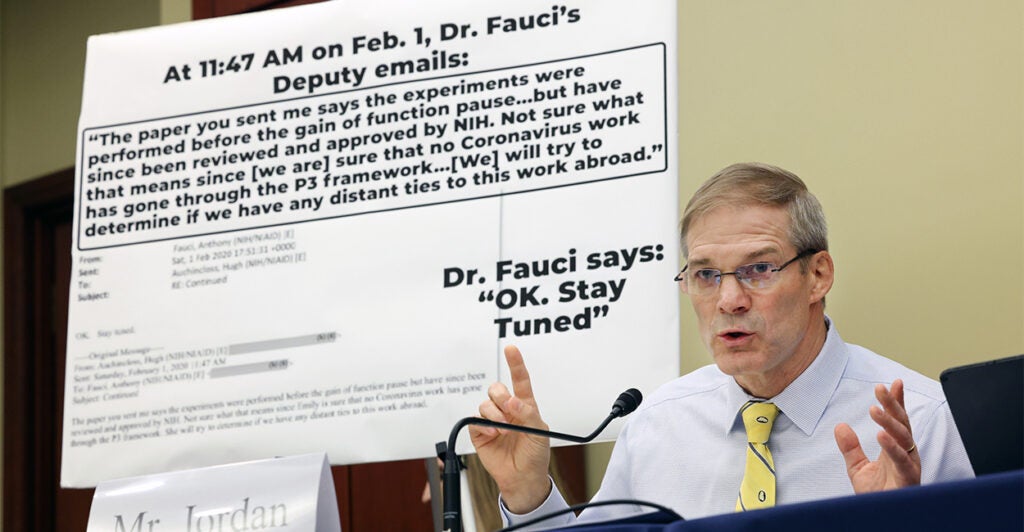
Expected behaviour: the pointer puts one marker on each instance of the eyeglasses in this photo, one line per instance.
(758, 275)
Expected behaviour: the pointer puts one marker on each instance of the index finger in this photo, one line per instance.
(893, 402)
(521, 386)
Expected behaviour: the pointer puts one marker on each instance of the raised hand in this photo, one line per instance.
(899, 463)
(518, 462)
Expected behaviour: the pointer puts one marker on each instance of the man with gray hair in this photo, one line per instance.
(775, 419)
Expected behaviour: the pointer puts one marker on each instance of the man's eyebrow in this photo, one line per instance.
(761, 253)
(698, 263)
(747, 259)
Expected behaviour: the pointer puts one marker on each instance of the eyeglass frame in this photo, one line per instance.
(803, 254)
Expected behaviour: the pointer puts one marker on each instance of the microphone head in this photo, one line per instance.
(627, 402)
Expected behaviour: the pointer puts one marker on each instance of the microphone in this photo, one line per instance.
(626, 403)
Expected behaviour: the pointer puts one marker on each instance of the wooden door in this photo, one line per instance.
(37, 270)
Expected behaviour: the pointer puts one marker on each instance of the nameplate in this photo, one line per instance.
(281, 494)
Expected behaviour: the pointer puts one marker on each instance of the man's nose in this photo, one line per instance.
(732, 296)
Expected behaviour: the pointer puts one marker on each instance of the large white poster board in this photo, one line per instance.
(315, 228)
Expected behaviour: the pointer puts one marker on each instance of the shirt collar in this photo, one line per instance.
(803, 402)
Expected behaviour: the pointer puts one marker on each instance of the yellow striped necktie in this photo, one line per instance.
(758, 487)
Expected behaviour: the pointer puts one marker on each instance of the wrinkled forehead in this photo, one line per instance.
(738, 232)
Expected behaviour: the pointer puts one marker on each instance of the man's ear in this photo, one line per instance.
(822, 272)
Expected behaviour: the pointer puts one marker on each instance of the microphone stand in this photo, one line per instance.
(625, 404)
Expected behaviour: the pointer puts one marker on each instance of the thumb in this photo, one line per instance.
(849, 445)
(524, 413)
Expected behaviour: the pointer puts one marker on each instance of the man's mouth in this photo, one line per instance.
(734, 335)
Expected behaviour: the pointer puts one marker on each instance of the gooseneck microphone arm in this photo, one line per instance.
(627, 402)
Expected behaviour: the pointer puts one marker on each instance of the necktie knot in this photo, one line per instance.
(758, 418)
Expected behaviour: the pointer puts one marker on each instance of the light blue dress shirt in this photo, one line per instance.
(685, 447)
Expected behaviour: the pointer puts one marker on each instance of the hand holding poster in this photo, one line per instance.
(316, 228)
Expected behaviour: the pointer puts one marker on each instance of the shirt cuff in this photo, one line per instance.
(553, 503)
